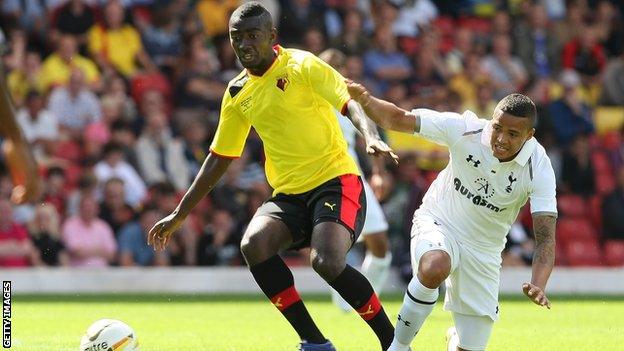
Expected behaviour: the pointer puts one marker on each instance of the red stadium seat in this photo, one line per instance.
(601, 162)
(572, 206)
(445, 24)
(595, 210)
(614, 252)
(605, 182)
(612, 140)
(560, 256)
(583, 253)
(476, 24)
(575, 229)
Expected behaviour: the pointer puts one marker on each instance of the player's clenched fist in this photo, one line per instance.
(357, 92)
(535, 294)
(162, 231)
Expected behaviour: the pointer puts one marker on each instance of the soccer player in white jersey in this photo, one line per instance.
(376, 264)
(459, 231)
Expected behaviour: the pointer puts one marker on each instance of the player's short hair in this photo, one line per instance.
(249, 10)
(518, 105)
(333, 57)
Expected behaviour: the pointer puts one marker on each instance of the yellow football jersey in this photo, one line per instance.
(291, 106)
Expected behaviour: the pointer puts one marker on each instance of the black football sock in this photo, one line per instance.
(357, 291)
(277, 282)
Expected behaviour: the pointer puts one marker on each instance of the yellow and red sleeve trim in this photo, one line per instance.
(223, 156)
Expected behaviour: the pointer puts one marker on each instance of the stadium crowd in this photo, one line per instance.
(120, 100)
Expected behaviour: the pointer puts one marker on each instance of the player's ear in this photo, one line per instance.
(273, 35)
(531, 133)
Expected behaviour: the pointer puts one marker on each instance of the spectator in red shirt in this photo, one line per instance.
(585, 54)
(15, 246)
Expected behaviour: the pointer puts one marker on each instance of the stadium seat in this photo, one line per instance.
(572, 206)
(477, 25)
(614, 252)
(608, 119)
(611, 141)
(560, 257)
(595, 210)
(601, 162)
(605, 182)
(68, 150)
(583, 253)
(575, 229)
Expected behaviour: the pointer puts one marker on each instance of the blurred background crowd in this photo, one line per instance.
(120, 100)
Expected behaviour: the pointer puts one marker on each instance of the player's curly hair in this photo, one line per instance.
(518, 105)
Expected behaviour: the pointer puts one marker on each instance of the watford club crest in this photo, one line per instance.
(282, 82)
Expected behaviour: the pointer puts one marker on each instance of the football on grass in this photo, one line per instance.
(109, 335)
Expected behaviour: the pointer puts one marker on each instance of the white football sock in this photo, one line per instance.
(417, 305)
(452, 339)
(376, 269)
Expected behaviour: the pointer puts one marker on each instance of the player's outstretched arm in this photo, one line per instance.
(386, 114)
(211, 171)
(21, 161)
(543, 258)
(368, 129)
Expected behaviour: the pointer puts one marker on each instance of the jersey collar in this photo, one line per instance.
(278, 50)
(523, 156)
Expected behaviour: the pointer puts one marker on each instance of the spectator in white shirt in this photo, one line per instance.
(39, 125)
(75, 105)
(114, 165)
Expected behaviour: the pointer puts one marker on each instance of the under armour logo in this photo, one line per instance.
(331, 206)
(475, 163)
(407, 323)
(511, 181)
(368, 311)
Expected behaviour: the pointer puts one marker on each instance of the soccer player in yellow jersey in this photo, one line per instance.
(289, 97)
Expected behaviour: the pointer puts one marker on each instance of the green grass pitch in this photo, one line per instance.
(246, 323)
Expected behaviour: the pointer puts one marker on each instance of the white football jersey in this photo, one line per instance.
(477, 197)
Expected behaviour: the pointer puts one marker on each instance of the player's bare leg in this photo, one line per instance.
(330, 243)
(421, 295)
(375, 267)
(263, 239)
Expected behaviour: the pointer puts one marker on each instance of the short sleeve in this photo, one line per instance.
(543, 195)
(442, 127)
(326, 82)
(232, 131)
